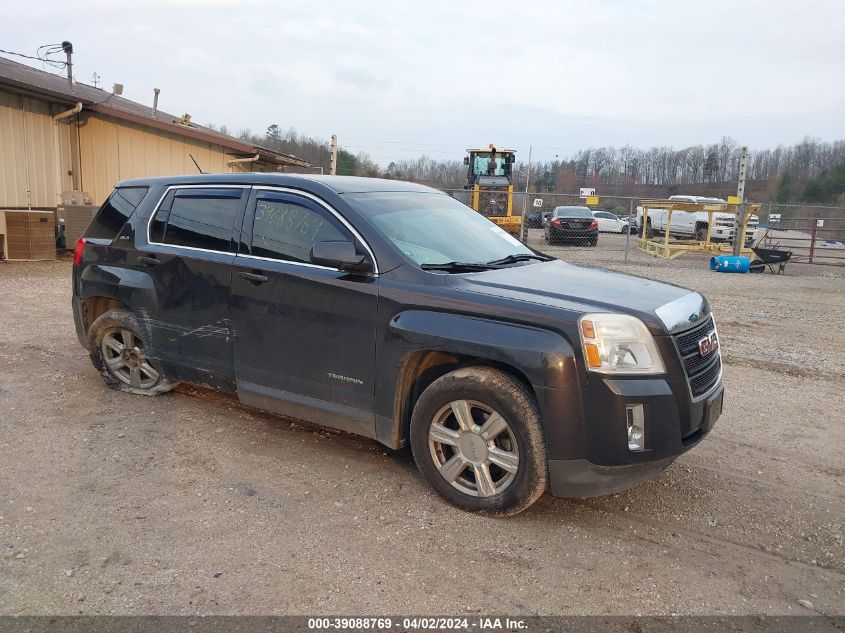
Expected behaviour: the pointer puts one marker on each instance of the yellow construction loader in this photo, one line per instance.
(490, 181)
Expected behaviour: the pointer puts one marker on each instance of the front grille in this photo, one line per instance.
(702, 371)
(688, 341)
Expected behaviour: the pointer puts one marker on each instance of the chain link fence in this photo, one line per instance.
(815, 234)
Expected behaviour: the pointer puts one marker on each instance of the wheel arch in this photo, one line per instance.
(106, 287)
(426, 346)
(423, 367)
(96, 305)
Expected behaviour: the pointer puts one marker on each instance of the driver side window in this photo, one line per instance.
(285, 227)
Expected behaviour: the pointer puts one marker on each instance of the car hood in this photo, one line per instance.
(664, 307)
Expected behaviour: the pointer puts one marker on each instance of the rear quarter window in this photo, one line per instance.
(114, 213)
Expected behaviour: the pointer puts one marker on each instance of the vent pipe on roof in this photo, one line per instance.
(155, 100)
(67, 47)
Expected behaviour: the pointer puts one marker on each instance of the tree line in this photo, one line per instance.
(805, 171)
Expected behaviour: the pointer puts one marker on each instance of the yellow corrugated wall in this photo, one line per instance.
(114, 150)
(27, 158)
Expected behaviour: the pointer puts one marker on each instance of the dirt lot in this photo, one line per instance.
(190, 503)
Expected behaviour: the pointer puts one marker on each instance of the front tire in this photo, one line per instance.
(119, 353)
(477, 439)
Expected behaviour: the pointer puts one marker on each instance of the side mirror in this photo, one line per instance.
(340, 255)
(466, 160)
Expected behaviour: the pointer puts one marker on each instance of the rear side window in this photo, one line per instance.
(197, 218)
(113, 214)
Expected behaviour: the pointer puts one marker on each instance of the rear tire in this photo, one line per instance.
(119, 353)
(477, 439)
(701, 232)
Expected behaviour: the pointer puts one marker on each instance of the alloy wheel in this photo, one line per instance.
(124, 355)
(473, 448)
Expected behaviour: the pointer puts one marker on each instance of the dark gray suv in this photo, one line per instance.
(392, 311)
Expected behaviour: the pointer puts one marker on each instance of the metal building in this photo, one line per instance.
(63, 148)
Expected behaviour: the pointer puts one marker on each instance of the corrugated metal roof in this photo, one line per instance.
(55, 87)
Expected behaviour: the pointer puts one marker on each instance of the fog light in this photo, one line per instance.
(636, 427)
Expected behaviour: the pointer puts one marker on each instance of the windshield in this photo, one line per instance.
(484, 164)
(432, 228)
(573, 212)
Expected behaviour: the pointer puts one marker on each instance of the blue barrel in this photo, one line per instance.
(730, 264)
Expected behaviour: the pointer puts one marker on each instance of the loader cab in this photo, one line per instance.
(489, 167)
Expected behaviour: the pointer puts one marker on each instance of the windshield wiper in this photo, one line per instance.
(457, 267)
(511, 259)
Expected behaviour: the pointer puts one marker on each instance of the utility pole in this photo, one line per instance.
(739, 223)
(333, 167)
(524, 229)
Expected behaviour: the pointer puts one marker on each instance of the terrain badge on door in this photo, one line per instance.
(344, 378)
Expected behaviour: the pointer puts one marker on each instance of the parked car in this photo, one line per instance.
(610, 222)
(572, 225)
(632, 225)
(393, 311)
(534, 220)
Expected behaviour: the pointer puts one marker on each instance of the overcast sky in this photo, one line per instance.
(397, 79)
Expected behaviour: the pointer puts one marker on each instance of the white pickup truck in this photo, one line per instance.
(693, 224)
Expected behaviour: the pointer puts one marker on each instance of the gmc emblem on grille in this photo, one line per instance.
(708, 344)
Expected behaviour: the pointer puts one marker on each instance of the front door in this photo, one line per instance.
(304, 334)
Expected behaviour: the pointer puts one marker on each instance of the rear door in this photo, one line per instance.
(304, 334)
(191, 244)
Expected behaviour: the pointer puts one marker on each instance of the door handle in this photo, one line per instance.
(149, 261)
(254, 278)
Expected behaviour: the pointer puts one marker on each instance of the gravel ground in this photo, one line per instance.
(192, 504)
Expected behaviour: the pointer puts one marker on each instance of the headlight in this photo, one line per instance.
(618, 344)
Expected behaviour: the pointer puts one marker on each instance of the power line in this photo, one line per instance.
(48, 49)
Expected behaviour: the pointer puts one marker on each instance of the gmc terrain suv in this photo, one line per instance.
(391, 310)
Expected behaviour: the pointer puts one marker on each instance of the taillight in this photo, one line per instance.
(556, 223)
(594, 224)
(78, 250)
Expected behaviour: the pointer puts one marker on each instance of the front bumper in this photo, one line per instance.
(582, 478)
(603, 464)
(722, 233)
